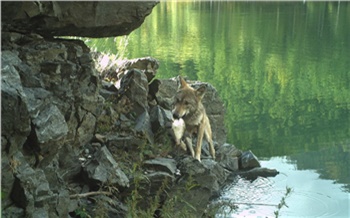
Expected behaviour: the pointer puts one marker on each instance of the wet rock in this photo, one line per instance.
(248, 160)
(103, 168)
(167, 165)
(254, 173)
(228, 156)
(87, 19)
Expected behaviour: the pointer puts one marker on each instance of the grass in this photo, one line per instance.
(283, 201)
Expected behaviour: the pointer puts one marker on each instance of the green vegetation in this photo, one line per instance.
(82, 213)
(283, 201)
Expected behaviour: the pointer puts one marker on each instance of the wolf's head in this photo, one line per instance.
(187, 99)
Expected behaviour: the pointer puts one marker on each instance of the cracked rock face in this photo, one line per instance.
(50, 98)
(60, 105)
(86, 19)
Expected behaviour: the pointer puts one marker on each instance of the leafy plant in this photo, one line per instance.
(82, 213)
(283, 201)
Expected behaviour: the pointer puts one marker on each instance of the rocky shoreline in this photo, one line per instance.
(78, 140)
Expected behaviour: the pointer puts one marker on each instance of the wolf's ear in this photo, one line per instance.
(201, 91)
(182, 82)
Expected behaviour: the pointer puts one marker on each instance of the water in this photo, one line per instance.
(283, 72)
(310, 195)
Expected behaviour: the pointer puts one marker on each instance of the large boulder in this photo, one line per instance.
(103, 168)
(87, 19)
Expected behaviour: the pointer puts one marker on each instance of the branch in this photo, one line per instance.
(89, 194)
(261, 204)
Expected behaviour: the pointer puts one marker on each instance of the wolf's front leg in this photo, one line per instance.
(188, 142)
(199, 142)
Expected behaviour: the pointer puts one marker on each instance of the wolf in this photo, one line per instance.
(188, 106)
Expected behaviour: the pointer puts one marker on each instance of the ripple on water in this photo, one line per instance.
(311, 196)
(309, 204)
(257, 198)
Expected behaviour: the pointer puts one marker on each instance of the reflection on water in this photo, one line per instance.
(311, 196)
(283, 72)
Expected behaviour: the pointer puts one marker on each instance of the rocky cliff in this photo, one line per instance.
(80, 141)
(63, 18)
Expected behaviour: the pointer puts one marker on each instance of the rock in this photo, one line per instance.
(38, 100)
(248, 160)
(153, 88)
(166, 93)
(167, 165)
(160, 119)
(68, 162)
(106, 207)
(155, 181)
(147, 65)
(13, 212)
(200, 181)
(58, 89)
(129, 142)
(254, 173)
(228, 156)
(49, 125)
(109, 86)
(134, 86)
(31, 189)
(86, 125)
(15, 122)
(7, 180)
(104, 169)
(86, 19)
(143, 127)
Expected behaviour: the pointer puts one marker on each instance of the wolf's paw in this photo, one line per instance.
(183, 145)
(198, 157)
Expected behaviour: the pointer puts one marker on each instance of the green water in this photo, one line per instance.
(282, 70)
